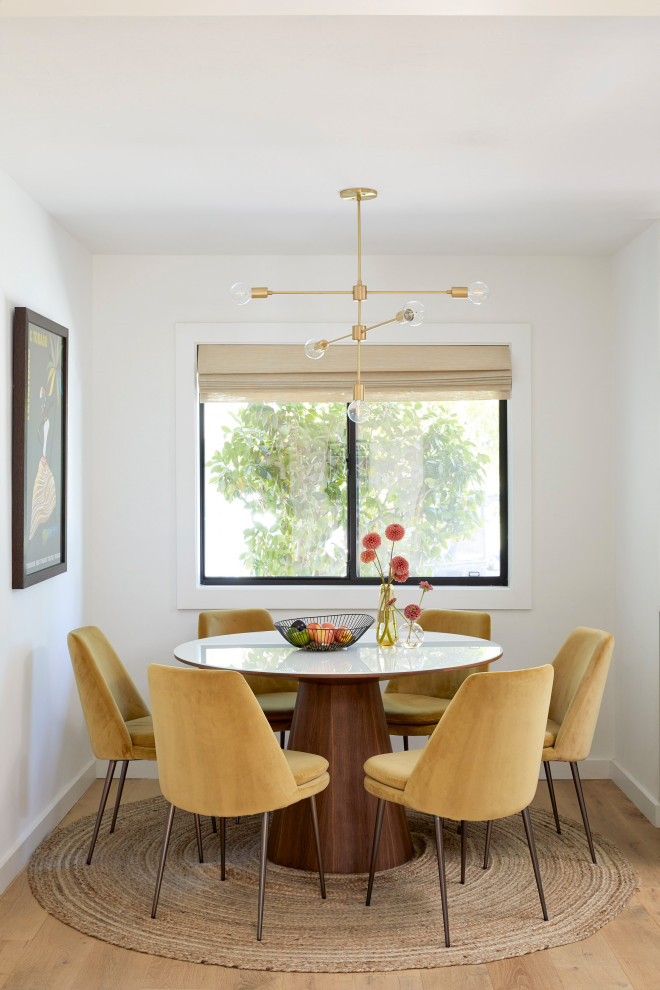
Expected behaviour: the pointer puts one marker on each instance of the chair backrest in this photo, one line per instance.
(217, 754)
(581, 668)
(482, 761)
(226, 621)
(108, 696)
(444, 683)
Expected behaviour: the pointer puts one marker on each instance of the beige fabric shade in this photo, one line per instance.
(283, 373)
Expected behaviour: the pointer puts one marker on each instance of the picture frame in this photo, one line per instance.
(39, 448)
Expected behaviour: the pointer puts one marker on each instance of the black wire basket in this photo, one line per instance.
(347, 628)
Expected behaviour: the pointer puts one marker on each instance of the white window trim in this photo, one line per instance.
(191, 595)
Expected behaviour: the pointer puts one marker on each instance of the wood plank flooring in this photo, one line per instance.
(39, 953)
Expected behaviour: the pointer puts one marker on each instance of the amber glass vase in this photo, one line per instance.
(386, 621)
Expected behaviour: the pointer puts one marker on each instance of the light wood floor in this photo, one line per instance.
(39, 953)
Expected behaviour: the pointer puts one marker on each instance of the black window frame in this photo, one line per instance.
(352, 577)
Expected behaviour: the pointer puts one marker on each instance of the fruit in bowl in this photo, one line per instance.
(297, 636)
(343, 635)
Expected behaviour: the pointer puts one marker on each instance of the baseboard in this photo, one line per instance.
(140, 769)
(18, 856)
(640, 797)
(593, 768)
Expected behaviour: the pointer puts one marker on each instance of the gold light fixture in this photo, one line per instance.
(412, 313)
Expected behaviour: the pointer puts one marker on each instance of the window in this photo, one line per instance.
(488, 568)
(288, 489)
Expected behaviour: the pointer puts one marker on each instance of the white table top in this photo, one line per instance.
(268, 653)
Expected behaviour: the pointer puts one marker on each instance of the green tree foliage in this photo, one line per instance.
(287, 464)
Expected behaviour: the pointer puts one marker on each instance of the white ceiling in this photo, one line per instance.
(234, 134)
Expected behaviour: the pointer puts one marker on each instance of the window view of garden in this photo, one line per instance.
(277, 500)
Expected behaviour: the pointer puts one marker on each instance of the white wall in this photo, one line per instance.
(636, 271)
(137, 301)
(44, 745)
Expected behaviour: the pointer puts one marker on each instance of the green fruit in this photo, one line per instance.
(299, 637)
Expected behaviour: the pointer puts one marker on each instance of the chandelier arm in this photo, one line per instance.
(335, 339)
(410, 292)
(383, 324)
(311, 292)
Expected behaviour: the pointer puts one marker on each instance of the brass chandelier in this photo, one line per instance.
(412, 313)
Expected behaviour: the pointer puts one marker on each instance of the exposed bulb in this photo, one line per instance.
(412, 313)
(315, 349)
(359, 411)
(478, 293)
(241, 293)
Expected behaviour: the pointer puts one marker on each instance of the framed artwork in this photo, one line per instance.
(39, 449)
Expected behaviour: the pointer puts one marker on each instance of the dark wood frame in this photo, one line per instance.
(22, 319)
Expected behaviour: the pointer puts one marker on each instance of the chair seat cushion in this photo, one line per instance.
(551, 730)
(305, 766)
(416, 709)
(278, 703)
(141, 731)
(393, 769)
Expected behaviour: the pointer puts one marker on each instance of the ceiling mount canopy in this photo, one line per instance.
(411, 314)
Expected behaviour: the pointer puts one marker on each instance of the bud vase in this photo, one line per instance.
(386, 622)
(411, 635)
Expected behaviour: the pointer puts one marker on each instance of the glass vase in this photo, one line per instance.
(410, 636)
(386, 621)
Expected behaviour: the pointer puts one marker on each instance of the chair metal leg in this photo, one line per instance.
(439, 845)
(262, 872)
(489, 832)
(282, 735)
(405, 743)
(551, 788)
(214, 824)
(198, 830)
(104, 797)
(463, 849)
(374, 849)
(120, 788)
(317, 842)
(223, 843)
(583, 808)
(535, 863)
(163, 856)
(238, 821)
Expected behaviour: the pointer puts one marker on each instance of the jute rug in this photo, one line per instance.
(494, 915)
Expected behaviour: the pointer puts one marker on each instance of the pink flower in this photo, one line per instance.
(425, 586)
(412, 612)
(390, 603)
(395, 532)
(399, 564)
(367, 556)
(401, 577)
(371, 541)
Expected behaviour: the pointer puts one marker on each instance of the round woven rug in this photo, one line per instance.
(201, 919)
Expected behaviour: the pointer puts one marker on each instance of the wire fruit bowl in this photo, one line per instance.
(341, 630)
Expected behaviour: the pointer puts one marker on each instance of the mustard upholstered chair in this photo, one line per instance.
(218, 756)
(118, 720)
(276, 695)
(581, 668)
(481, 763)
(414, 705)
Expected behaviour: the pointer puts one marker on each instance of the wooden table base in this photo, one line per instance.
(344, 722)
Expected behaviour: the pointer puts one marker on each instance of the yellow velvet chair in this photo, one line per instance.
(217, 755)
(414, 705)
(118, 720)
(581, 668)
(481, 763)
(276, 695)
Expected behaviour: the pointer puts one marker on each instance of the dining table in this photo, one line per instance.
(339, 715)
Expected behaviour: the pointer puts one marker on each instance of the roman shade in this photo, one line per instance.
(390, 372)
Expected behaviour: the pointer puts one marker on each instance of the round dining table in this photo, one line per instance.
(339, 715)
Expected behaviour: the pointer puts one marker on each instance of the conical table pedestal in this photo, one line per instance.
(343, 721)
